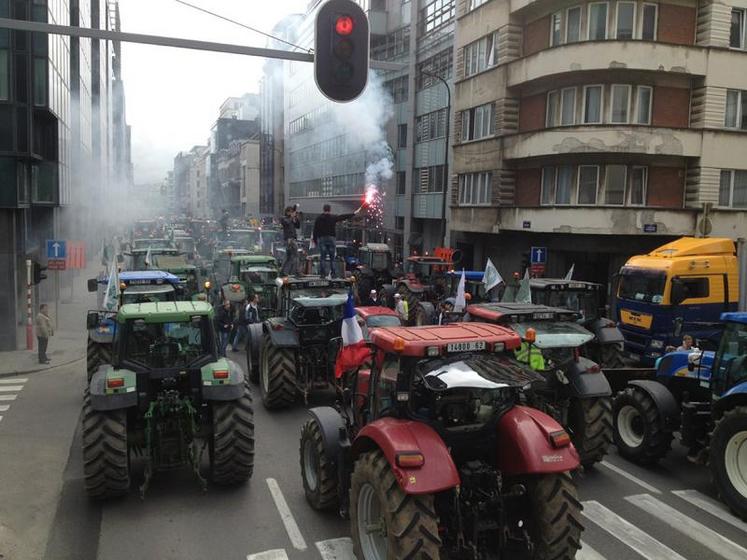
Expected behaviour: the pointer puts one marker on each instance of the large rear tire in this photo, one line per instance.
(638, 432)
(612, 356)
(386, 523)
(728, 459)
(277, 372)
(232, 445)
(318, 472)
(106, 461)
(556, 526)
(591, 427)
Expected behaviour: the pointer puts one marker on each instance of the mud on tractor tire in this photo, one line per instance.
(638, 433)
(318, 472)
(106, 460)
(728, 467)
(407, 524)
(232, 443)
(276, 376)
(591, 424)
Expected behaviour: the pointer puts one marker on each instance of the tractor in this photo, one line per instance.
(167, 396)
(375, 268)
(432, 455)
(300, 343)
(575, 392)
(703, 396)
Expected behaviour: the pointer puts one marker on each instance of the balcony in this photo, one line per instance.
(604, 139)
(609, 55)
(427, 205)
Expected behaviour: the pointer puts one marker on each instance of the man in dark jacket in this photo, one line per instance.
(324, 237)
(290, 223)
(223, 325)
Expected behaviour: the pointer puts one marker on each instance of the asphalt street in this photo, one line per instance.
(668, 512)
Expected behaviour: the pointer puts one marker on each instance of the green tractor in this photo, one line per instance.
(167, 396)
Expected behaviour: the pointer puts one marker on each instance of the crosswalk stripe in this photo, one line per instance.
(336, 549)
(12, 381)
(291, 527)
(643, 543)
(276, 554)
(4, 407)
(630, 477)
(588, 553)
(678, 521)
(10, 388)
(714, 507)
(8, 397)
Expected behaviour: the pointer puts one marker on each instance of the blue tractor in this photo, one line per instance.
(134, 287)
(702, 395)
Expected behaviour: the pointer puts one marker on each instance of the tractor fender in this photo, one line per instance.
(606, 332)
(428, 311)
(229, 389)
(667, 405)
(524, 444)
(584, 384)
(123, 397)
(394, 436)
(736, 396)
(333, 430)
(282, 333)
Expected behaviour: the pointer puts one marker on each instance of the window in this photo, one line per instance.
(548, 185)
(643, 105)
(430, 126)
(568, 107)
(573, 25)
(440, 64)
(588, 184)
(736, 109)
(40, 81)
(555, 29)
(474, 189)
(620, 105)
(481, 54)
(648, 22)
(614, 192)
(736, 39)
(398, 88)
(597, 21)
(4, 76)
(592, 104)
(436, 14)
(553, 109)
(564, 187)
(478, 122)
(695, 287)
(625, 20)
(432, 178)
(476, 3)
(401, 135)
(638, 182)
(733, 189)
(401, 182)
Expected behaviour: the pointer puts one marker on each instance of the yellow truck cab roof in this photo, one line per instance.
(687, 251)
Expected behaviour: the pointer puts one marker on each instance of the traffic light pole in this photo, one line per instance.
(29, 310)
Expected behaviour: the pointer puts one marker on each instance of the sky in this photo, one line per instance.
(173, 95)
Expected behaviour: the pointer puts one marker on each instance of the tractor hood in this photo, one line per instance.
(477, 371)
(555, 335)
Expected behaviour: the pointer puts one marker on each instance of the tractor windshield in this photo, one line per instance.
(258, 276)
(383, 321)
(582, 301)
(730, 364)
(148, 294)
(167, 345)
(379, 261)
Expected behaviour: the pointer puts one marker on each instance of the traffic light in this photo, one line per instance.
(38, 273)
(341, 50)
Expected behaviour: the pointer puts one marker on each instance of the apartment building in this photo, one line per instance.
(596, 129)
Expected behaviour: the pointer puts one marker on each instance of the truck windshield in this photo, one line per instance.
(167, 345)
(640, 284)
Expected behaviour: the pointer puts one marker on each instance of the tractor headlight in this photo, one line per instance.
(433, 351)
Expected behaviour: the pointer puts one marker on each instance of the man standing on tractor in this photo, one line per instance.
(290, 223)
(324, 236)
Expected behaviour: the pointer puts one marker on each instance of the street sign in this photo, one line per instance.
(526, 224)
(539, 255)
(649, 228)
(56, 249)
(56, 264)
(538, 269)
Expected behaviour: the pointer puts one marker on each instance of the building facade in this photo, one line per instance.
(249, 178)
(597, 130)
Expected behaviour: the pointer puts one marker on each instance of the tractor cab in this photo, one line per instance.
(153, 244)
(473, 284)
(247, 239)
(252, 274)
(376, 257)
(586, 298)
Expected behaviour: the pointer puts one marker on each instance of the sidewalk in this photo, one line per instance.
(69, 341)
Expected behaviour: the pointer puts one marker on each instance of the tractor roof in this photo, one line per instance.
(429, 260)
(514, 312)
(378, 247)
(367, 311)
(147, 277)
(470, 275)
(562, 284)
(164, 311)
(149, 289)
(303, 282)
(415, 341)
(253, 259)
(734, 317)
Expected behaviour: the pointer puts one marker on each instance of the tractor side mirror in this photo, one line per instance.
(677, 330)
(679, 291)
(92, 320)
(93, 285)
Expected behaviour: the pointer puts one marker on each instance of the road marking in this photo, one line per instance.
(336, 549)
(4, 407)
(689, 527)
(630, 477)
(1, 417)
(11, 381)
(276, 554)
(291, 527)
(10, 388)
(643, 543)
(8, 397)
(706, 503)
(588, 553)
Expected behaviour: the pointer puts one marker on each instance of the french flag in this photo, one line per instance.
(354, 351)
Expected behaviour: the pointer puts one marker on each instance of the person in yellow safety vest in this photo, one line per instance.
(401, 307)
(530, 354)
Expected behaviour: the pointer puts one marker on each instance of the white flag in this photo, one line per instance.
(148, 258)
(569, 274)
(111, 299)
(492, 277)
(461, 301)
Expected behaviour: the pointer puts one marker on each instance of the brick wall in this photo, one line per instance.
(666, 187)
(676, 24)
(528, 186)
(671, 107)
(532, 112)
(537, 35)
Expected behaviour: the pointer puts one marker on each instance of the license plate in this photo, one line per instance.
(543, 316)
(317, 284)
(465, 346)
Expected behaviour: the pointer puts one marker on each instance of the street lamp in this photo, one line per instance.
(446, 152)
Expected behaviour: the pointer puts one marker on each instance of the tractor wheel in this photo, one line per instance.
(555, 525)
(638, 433)
(611, 356)
(590, 422)
(386, 523)
(96, 356)
(277, 372)
(232, 444)
(318, 472)
(106, 460)
(728, 459)
(253, 345)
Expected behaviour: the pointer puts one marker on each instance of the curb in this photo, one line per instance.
(37, 370)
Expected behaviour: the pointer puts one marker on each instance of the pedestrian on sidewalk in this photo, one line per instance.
(43, 331)
(290, 223)
(324, 236)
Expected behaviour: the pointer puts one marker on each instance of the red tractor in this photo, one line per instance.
(431, 454)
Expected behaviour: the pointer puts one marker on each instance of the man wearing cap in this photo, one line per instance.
(401, 307)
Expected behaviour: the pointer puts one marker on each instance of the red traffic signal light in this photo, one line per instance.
(344, 25)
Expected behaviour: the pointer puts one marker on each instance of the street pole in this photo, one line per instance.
(29, 312)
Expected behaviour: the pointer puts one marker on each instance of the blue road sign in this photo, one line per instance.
(56, 249)
(539, 255)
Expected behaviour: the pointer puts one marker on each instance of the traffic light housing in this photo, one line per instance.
(341, 50)
(38, 273)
